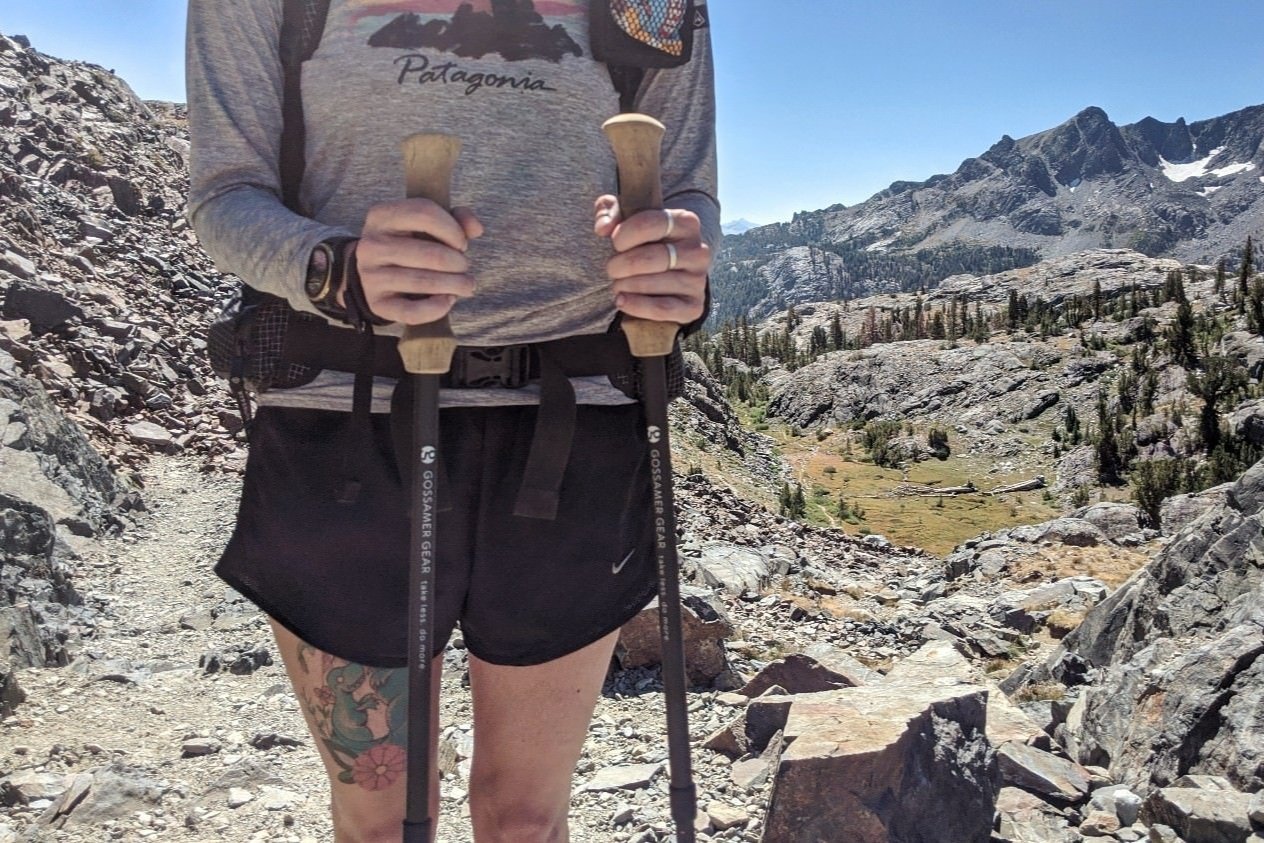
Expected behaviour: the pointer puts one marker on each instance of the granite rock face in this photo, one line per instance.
(1173, 657)
(55, 492)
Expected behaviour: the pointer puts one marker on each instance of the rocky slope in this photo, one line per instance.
(106, 295)
(839, 682)
(1004, 397)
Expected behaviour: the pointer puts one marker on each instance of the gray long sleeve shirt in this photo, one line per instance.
(521, 91)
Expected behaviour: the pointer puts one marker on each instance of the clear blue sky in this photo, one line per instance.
(827, 101)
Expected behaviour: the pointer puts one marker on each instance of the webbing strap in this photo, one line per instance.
(302, 24)
(550, 452)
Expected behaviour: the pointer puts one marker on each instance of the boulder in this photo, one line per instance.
(1118, 800)
(940, 662)
(1179, 511)
(1037, 406)
(1247, 348)
(733, 568)
(1100, 824)
(753, 729)
(1200, 816)
(1121, 522)
(1076, 532)
(797, 673)
(43, 305)
(1247, 421)
(1028, 610)
(104, 794)
(905, 760)
(839, 662)
(38, 437)
(705, 627)
(1025, 818)
(1046, 775)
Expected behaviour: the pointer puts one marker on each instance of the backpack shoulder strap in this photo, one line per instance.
(627, 81)
(302, 24)
(628, 48)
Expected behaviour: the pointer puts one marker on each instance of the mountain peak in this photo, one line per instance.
(1093, 114)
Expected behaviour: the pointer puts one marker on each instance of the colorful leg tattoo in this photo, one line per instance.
(360, 714)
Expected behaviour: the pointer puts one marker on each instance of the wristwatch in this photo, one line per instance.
(326, 274)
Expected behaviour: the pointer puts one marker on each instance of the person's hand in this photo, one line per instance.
(412, 262)
(660, 266)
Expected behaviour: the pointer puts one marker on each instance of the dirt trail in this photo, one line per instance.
(138, 698)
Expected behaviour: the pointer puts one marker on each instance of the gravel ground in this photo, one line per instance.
(181, 753)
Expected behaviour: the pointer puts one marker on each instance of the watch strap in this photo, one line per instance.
(340, 251)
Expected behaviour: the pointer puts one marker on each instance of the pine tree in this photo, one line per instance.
(1109, 463)
(937, 325)
(836, 333)
(1255, 306)
(1244, 276)
(1072, 424)
(1154, 481)
(1149, 389)
(1181, 336)
(869, 333)
(1221, 379)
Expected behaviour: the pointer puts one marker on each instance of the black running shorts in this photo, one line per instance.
(525, 591)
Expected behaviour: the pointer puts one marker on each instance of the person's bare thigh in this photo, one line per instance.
(357, 716)
(529, 728)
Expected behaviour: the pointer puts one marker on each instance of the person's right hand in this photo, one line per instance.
(411, 259)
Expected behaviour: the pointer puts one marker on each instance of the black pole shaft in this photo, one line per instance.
(684, 798)
(424, 515)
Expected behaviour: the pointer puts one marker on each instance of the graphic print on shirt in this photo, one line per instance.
(516, 30)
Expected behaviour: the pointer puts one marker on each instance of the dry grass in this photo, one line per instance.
(1039, 691)
(1062, 622)
(936, 524)
(1110, 564)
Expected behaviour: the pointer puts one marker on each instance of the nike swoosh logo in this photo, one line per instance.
(614, 569)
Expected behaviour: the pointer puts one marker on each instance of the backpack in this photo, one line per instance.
(246, 340)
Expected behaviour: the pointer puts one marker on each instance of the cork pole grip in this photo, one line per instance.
(637, 141)
(429, 160)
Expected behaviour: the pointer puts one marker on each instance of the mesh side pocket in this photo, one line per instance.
(657, 23)
(642, 33)
(249, 339)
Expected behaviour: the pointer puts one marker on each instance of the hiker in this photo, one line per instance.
(539, 575)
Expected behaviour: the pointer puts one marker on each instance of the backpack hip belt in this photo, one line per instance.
(550, 364)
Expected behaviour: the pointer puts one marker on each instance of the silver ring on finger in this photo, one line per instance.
(671, 256)
(671, 224)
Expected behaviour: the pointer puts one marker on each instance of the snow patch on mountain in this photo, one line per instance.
(1234, 169)
(1192, 170)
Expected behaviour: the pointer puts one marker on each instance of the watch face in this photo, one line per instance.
(317, 281)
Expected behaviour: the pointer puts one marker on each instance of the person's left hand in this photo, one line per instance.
(660, 266)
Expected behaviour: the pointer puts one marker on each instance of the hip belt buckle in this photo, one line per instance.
(504, 366)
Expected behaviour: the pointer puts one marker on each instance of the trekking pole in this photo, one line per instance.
(426, 351)
(636, 140)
